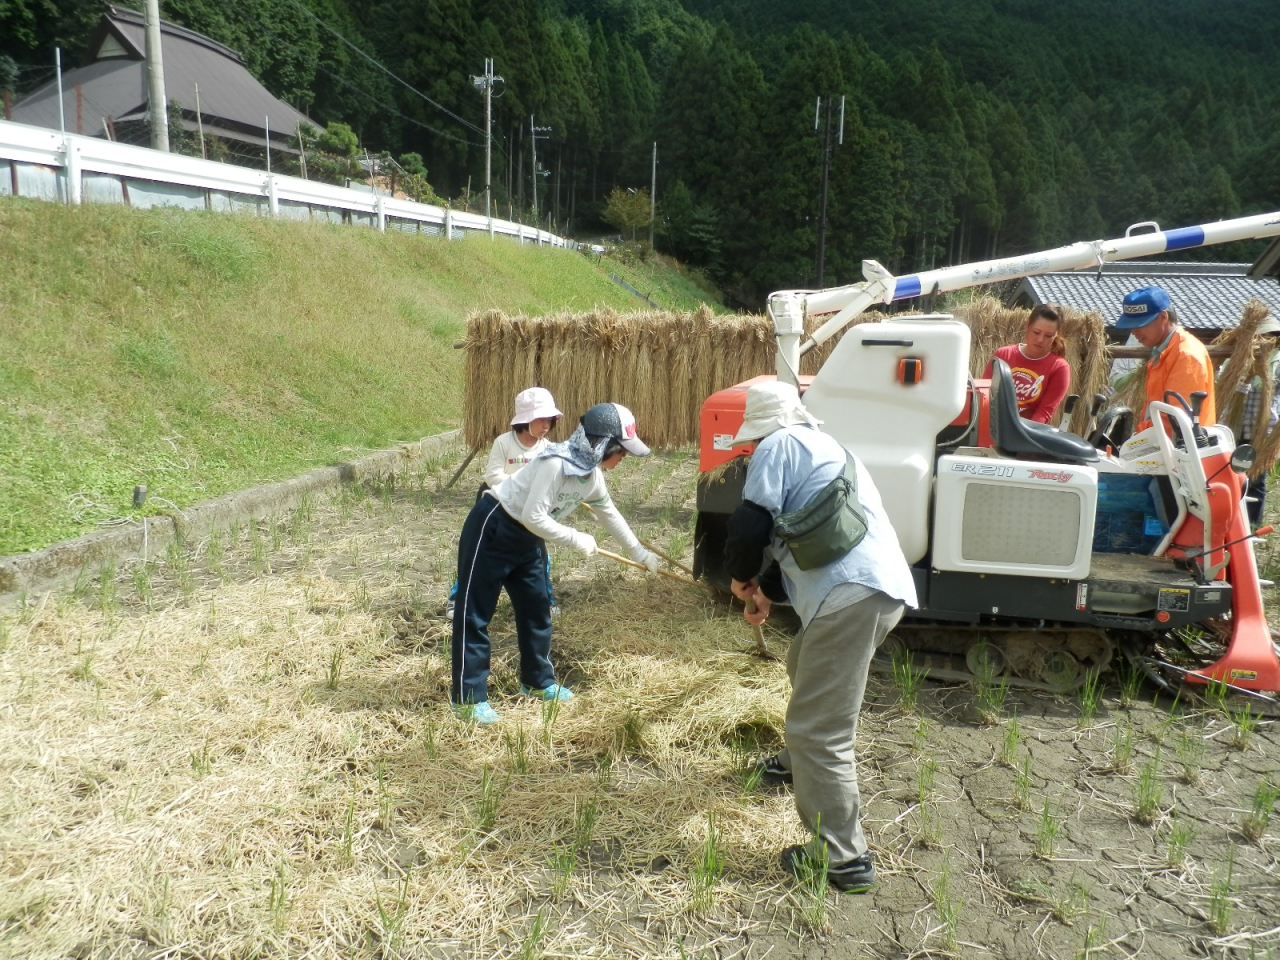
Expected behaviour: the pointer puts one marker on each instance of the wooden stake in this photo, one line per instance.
(649, 546)
(465, 463)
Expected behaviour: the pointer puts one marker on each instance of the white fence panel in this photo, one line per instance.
(47, 165)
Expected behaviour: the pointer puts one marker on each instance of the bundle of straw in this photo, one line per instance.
(1248, 364)
(663, 365)
(660, 364)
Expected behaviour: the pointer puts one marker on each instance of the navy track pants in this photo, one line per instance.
(497, 552)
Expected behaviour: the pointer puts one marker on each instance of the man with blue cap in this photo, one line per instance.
(1179, 362)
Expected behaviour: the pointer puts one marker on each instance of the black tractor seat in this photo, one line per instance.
(1015, 437)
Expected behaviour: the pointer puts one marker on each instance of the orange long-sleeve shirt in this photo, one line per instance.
(1183, 367)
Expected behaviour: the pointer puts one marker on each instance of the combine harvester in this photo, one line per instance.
(997, 514)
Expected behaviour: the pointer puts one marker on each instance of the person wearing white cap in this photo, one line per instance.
(536, 414)
(847, 608)
(503, 545)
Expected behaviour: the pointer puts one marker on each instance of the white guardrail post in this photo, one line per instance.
(72, 157)
(71, 170)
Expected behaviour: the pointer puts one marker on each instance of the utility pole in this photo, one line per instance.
(486, 83)
(653, 193)
(536, 134)
(826, 171)
(157, 105)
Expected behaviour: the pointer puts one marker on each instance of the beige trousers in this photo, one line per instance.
(828, 664)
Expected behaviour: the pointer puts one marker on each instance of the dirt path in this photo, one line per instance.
(242, 749)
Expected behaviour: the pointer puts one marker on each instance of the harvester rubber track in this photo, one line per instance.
(1056, 660)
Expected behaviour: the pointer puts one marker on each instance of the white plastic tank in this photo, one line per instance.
(886, 392)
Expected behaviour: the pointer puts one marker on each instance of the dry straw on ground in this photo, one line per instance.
(243, 750)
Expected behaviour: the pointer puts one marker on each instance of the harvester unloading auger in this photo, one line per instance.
(997, 515)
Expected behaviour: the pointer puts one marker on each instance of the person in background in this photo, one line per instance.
(504, 544)
(1255, 422)
(1179, 362)
(847, 608)
(1041, 375)
(536, 415)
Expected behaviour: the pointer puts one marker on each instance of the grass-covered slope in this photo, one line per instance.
(198, 354)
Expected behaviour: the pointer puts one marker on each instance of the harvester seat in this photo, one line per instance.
(1016, 437)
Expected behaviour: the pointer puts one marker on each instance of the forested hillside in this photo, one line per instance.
(970, 129)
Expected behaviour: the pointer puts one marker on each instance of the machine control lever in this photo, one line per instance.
(1192, 552)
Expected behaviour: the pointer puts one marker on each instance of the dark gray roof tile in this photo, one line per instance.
(1206, 296)
(230, 98)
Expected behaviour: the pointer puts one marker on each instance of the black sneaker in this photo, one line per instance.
(853, 876)
(773, 772)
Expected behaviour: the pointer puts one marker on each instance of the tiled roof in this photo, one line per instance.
(1206, 296)
(116, 86)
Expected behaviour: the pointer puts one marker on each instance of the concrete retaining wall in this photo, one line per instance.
(45, 569)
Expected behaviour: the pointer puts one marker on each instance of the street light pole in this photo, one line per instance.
(486, 83)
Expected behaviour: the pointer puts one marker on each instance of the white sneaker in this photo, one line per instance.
(448, 609)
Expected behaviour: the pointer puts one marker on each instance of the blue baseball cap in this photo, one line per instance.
(1141, 307)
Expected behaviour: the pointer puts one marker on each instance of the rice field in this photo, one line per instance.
(242, 749)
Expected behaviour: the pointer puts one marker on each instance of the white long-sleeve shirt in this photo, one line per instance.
(542, 494)
(508, 455)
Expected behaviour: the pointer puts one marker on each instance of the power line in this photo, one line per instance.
(360, 90)
(404, 83)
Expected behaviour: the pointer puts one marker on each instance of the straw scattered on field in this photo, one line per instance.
(242, 750)
(271, 765)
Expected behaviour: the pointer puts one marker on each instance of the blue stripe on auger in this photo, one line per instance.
(1184, 238)
(905, 287)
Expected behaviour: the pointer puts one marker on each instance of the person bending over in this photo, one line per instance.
(847, 608)
(503, 546)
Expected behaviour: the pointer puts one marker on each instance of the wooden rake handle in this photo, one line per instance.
(649, 546)
(679, 578)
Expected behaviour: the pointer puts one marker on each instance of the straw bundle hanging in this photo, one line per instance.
(1248, 364)
(663, 365)
(484, 406)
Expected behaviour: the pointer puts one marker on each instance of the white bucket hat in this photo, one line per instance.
(771, 406)
(1269, 324)
(534, 404)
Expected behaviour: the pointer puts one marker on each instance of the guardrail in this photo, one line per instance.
(74, 169)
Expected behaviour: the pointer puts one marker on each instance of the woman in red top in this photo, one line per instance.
(1041, 375)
